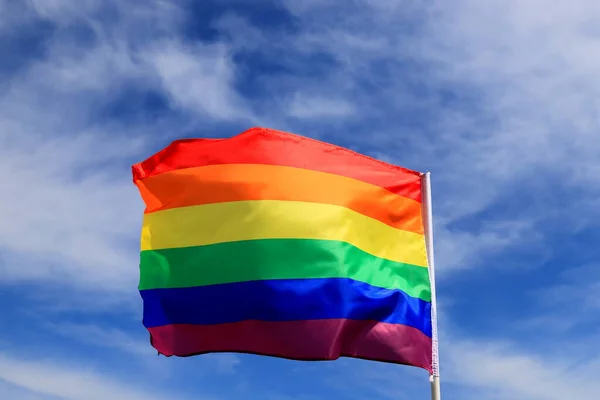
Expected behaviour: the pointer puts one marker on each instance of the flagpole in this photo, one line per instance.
(434, 379)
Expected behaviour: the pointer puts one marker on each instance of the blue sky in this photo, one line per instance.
(500, 100)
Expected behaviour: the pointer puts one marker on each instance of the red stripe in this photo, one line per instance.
(326, 339)
(271, 147)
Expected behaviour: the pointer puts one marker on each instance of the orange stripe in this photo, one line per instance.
(241, 182)
(271, 147)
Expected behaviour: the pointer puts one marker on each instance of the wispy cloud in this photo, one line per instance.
(360, 66)
(319, 107)
(137, 345)
(490, 105)
(574, 288)
(104, 337)
(44, 379)
(499, 99)
(501, 371)
(198, 78)
(69, 205)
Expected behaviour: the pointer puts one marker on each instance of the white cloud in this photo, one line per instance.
(135, 344)
(526, 113)
(226, 363)
(42, 379)
(13, 392)
(61, 223)
(533, 68)
(526, 70)
(575, 288)
(501, 371)
(319, 107)
(460, 250)
(106, 337)
(531, 75)
(198, 78)
(71, 215)
(63, 10)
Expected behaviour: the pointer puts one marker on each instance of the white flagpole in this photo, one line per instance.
(428, 223)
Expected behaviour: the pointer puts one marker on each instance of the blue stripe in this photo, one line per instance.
(284, 300)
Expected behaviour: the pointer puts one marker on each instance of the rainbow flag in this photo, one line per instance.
(275, 244)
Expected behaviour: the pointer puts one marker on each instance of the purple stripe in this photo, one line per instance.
(326, 339)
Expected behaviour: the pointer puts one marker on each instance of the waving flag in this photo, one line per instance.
(276, 244)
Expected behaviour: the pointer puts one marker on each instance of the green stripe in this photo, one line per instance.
(277, 259)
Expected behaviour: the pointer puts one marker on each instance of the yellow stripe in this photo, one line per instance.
(272, 219)
(243, 182)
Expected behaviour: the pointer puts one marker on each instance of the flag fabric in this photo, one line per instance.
(275, 244)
